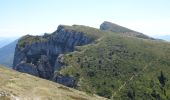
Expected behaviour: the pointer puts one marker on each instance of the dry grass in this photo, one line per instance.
(26, 87)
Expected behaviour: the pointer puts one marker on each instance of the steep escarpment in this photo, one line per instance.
(42, 55)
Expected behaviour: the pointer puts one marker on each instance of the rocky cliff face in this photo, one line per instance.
(42, 55)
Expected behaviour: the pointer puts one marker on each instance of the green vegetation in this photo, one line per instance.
(114, 59)
(89, 31)
(29, 39)
(114, 27)
(108, 26)
(19, 86)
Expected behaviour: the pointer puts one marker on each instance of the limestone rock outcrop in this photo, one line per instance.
(41, 55)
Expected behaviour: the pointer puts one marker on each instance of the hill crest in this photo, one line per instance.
(109, 26)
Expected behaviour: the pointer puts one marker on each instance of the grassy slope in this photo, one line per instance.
(108, 26)
(89, 31)
(103, 67)
(29, 39)
(17, 85)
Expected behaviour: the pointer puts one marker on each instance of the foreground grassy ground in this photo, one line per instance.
(19, 86)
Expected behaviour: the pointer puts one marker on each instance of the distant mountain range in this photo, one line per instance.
(5, 41)
(163, 37)
(7, 54)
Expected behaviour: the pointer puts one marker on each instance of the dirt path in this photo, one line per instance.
(130, 79)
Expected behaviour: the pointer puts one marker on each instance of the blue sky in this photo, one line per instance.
(20, 17)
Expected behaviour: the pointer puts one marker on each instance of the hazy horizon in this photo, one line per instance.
(19, 18)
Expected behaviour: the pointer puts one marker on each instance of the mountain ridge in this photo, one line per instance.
(98, 61)
(109, 26)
